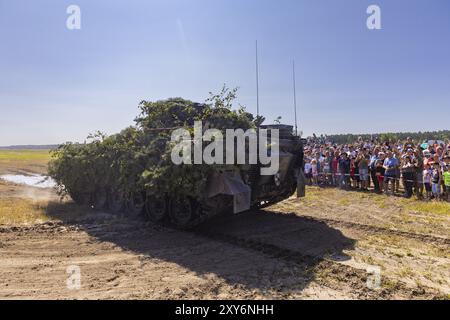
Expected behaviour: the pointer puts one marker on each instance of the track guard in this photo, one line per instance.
(231, 184)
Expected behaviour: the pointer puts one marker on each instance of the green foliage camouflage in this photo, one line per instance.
(138, 159)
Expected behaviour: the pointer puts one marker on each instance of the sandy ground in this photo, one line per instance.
(331, 245)
(258, 255)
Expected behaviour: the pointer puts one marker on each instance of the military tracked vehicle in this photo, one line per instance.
(131, 172)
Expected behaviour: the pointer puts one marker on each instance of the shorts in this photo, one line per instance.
(389, 176)
(381, 179)
(436, 188)
(364, 174)
(427, 187)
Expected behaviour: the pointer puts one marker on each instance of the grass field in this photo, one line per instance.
(19, 204)
(24, 161)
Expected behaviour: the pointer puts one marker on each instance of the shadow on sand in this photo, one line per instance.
(255, 261)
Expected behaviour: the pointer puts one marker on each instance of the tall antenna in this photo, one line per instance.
(295, 97)
(257, 81)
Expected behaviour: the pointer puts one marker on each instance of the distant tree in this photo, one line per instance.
(418, 137)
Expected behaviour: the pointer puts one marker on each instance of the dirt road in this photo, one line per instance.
(270, 254)
(127, 259)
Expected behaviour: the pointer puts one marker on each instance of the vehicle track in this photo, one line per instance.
(322, 269)
(334, 274)
(376, 229)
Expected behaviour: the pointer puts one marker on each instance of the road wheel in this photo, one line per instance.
(135, 204)
(81, 198)
(115, 201)
(156, 208)
(181, 212)
(99, 199)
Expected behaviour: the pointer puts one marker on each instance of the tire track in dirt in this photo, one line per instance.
(324, 271)
(268, 236)
(334, 274)
(376, 229)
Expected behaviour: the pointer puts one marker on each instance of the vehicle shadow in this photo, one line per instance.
(261, 250)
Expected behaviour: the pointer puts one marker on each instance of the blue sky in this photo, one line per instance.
(58, 85)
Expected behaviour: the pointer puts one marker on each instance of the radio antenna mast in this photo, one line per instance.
(295, 97)
(257, 81)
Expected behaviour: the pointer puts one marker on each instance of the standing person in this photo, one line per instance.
(373, 173)
(327, 167)
(379, 173)
(344, 170)
(436, 180)
(427, 180)
(354, 173)
(319, 162)
(335, 169)
(308, 171)
(390, 165)
(396, 154)
(446, 177)
(408, 171)
(418, 166)
(363, 168)
(315, 172)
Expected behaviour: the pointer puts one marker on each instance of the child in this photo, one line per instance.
(427, 180)
(436, 178)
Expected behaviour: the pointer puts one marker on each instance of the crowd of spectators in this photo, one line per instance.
(420, 169)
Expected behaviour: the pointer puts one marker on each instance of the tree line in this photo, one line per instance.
(420, 136)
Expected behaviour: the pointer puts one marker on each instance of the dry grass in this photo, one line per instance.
(389, 212)
(28, 161)
(346, 198)
(17, 211)
(21, 211)
(24, 205)
(435, 207)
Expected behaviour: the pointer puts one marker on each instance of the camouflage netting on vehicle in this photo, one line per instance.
(138, 159)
